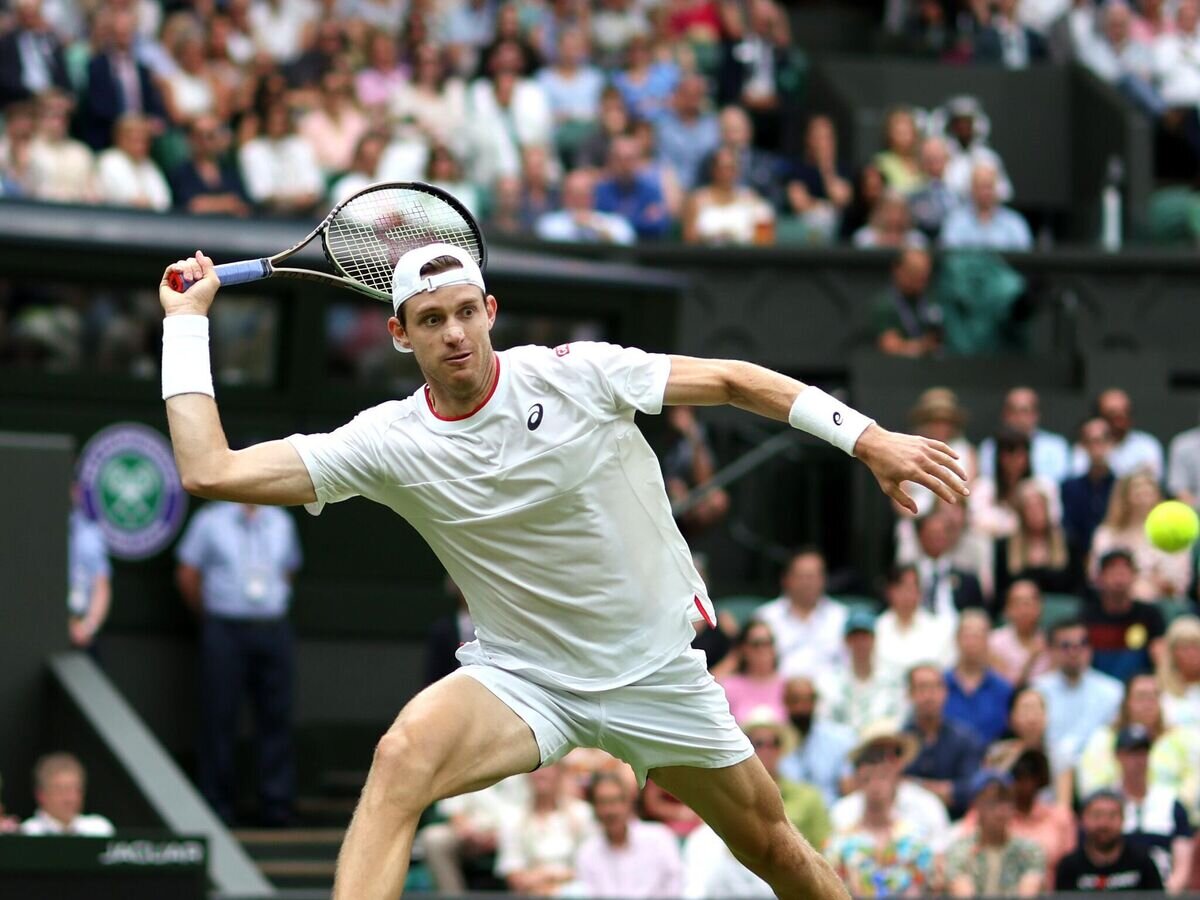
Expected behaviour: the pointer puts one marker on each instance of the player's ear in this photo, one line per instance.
(399, 335)
(490, 306)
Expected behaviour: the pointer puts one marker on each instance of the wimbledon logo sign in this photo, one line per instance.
(131, 488)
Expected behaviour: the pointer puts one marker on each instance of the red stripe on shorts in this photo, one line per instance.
(704, 613)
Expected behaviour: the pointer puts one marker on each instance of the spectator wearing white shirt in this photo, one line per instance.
(506, 113)
(967, 128)
(125, 173)
(363, 170)
(1177, 58)
(279, 168)
(858, 694)
(1132, 449)
(471, 831)
(579, 220)
(278, 26)
(59, 783)
(1050, 453)
(984, 223)
(1183, 466)
(629, 858)
(537, 848)
(62, 169)
(807, 624)
(884, 744)
(433, 100)
(1007, 40)
(907, 634)
(1115, 57)
(1042, 15)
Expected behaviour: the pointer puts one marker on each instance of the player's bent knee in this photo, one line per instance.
(402, 770)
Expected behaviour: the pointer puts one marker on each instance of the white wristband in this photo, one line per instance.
(831, 420)
(185, 364)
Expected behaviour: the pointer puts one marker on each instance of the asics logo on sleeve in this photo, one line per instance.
(837, 418)
(535, 417)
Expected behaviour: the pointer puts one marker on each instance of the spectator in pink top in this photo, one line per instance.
(757, 681)
(1018, 650)
(334, 128)
(1152, 21)
(630, 858)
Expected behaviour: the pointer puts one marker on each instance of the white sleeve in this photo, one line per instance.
(343, 463)
(256, 166)
(620, 378)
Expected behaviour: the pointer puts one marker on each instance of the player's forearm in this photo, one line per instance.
(715, 382)
(202, 453)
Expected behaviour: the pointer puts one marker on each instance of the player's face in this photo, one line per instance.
(448, 332)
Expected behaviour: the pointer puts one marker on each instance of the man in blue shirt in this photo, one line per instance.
(686, 133)
(984, 223)
(236, 563)
(975, 695)
(632, 193)
(821, 759)
(950, 754)
(1079, 700)
(1049, 453)
(89, 578)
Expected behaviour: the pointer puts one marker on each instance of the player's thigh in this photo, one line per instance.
(740, 802)
(457, 736)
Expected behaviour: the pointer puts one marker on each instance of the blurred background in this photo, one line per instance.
(973, 219)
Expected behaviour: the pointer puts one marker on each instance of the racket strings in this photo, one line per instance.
(367, 236)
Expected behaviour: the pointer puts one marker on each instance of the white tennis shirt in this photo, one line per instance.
(546, 506)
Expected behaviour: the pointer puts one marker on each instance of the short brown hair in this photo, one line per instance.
(435, 266)
(51, 764)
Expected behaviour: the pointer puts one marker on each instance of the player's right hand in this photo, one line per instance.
(196, 300)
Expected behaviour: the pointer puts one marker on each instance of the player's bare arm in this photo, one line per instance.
(269, 473)
(893, 458)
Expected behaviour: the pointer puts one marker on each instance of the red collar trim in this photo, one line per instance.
(482, 403)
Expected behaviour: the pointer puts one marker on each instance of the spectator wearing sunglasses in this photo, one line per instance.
(1079, 699)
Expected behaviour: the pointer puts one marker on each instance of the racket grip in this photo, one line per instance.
(229, 273)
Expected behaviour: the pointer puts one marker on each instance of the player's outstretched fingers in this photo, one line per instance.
(936, 485)
(948, 475)
(897, 493)
(948, 461)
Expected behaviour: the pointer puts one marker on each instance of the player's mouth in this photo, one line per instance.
(459, 359)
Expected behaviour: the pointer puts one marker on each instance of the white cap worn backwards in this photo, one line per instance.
(407, 281)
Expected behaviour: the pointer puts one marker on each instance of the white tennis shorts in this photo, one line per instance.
(677, 716)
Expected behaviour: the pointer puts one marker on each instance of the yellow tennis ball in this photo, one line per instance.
(1172, 526)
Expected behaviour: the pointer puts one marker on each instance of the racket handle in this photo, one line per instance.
(229, 273)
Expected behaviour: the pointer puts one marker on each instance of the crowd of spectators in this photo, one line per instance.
(610, 122)
(1019, 714)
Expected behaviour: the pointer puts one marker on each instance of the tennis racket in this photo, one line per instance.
(365, 236)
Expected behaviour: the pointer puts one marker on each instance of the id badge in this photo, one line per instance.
(257, 581)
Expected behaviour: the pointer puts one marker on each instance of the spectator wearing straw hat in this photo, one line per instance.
(882, 851)
(884, 741)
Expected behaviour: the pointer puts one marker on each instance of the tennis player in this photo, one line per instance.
(525, 472)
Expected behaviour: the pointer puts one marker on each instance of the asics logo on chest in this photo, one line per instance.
(535, 416)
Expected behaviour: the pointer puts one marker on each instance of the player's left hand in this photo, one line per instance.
(894, 458)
